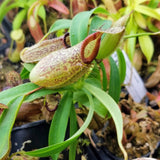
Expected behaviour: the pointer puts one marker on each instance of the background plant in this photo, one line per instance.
(30, 12)
(140, 22)
(143, 20)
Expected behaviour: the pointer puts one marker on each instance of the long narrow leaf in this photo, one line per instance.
(3, 6)
(73, 129)
(6, 123)
(146, 45)
(55, 148)
(104, 76)
(61, 116)
(18, 19)
(23, 89)
(121, 65)
(5, 10)
(141, 34)
(114, 83)
(12, 93)
(40, 93)
(99, 108)
(114, 110)
(131, 42)
(42, 14)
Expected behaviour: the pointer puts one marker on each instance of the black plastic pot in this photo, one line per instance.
(37, 132)
(5, 30)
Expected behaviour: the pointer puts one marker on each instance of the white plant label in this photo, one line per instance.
(133, 81)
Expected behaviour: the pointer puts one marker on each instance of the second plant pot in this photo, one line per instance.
(5, 39)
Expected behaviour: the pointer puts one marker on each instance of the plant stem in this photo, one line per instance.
(141, 34)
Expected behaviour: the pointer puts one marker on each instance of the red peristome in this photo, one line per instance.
(59, 6)
(35, 29)
(94, 36)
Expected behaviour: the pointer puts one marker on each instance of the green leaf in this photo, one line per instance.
(151, 26)
(60, 24)
(4, 9)
(12, 93)
(101, 10)
(130, 44)
(6, 123)
(153, 3)
(139, 1)
(42, 13)
(94, 81)
(60, 121)
(73, 129)
(79, 26)
(19, 18)
(23, 89)
(80, 97)
(29, 66)
(95, 73)
(40, 93)
(26, 70)
(114, 83)
(142, 34)
(99, 108)
(30, 2)
(148, 11)
(121, 65)
(24, 73)
(98, 22)
(104, 76)
(55, 148)
(140, 20)
(114, 110)
(146, 45)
